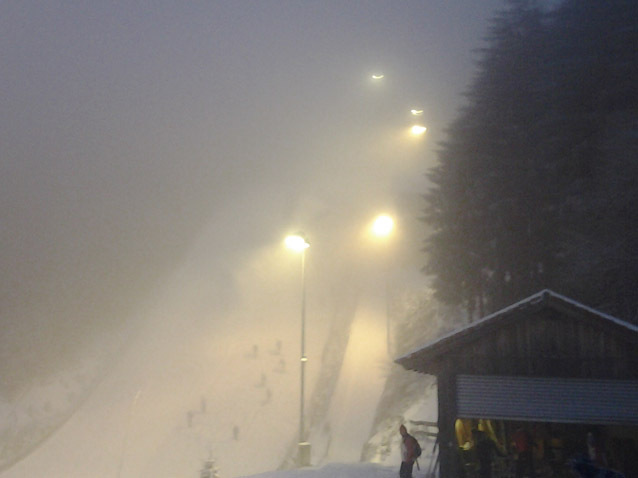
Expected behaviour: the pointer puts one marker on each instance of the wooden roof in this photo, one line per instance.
(429, 357)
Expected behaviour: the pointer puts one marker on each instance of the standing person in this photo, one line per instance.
(485, 449)
(595, 450)
(523, 444)
(408, 453)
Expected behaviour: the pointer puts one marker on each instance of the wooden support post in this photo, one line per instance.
(448, 447)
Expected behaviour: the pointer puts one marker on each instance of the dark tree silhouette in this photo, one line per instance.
(534, 185)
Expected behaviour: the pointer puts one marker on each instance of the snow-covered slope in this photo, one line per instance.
(172, 401)
(189, 389)
(35, 414)
(162, 417)
(360, 384)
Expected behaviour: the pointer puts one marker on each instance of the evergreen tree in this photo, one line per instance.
(595, 63)
(526, 192)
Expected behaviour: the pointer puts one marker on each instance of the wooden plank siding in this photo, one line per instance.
(545, 335)
(544, 346)
(545, 340)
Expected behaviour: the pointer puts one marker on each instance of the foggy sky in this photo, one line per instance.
(154, 154)
(128, 128)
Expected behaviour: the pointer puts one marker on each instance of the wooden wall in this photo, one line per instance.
(543, 343)
(547, 344)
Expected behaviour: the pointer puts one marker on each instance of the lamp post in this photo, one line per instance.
(382, 227)
(298, 243)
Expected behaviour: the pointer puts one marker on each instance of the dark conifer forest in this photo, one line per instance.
(537, 183)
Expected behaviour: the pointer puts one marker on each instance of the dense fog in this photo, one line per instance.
(153, 157)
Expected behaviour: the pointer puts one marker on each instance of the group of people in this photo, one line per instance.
(530, 450)
(480, 445)
(485, 449)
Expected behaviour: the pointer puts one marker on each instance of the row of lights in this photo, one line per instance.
(417, 129)
(381, 227)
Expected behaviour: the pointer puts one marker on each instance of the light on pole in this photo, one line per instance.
(418, 130)
(382, 227)
(298, 243)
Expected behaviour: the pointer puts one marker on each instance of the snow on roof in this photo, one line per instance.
(545, 296)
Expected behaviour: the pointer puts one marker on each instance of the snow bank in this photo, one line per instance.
(336, 470)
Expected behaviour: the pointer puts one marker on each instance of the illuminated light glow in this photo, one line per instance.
(416, 112)
(418, 129)
(297, 242)
(377, 76)
(382, 226)
(304, 359)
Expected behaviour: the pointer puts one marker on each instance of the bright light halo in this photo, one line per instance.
(418, 129)
(382, 226)
(296, 242)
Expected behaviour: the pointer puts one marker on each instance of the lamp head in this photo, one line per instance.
(297, 242)
(382, 226)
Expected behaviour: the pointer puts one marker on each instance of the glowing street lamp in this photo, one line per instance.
(418, 130)
(378, 76)
(416, 112)
(298, 243)
(382, 226)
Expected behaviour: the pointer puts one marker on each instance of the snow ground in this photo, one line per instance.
(339, 470)
(173, 399)
(172, 402)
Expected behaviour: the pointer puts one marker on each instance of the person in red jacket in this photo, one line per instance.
(408, 453)
(523, 444)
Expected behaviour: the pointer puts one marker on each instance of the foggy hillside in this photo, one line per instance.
(152, 159)
(142, 429)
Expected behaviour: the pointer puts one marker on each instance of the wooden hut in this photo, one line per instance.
(547, 363)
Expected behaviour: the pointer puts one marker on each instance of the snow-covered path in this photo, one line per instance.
(360, 383)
